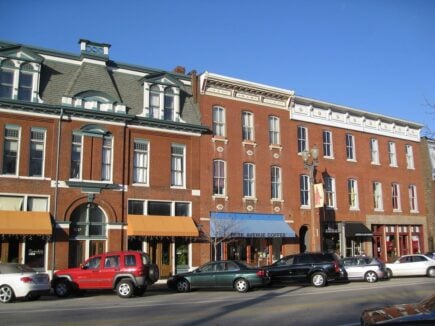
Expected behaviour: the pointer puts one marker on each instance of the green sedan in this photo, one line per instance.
(220, 274)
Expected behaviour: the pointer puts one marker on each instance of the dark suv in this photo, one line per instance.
(126, 272)
(314, 268)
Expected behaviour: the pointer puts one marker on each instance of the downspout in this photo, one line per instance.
(56, 193)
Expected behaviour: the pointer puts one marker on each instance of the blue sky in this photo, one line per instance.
(374, 55)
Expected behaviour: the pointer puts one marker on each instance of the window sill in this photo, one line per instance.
(378, 209)
(305, 207)
(219, 139)
(275, 146)
(178, 187)
(352, 160)
(224, 197)
(245, 199)
(137, 184)
(329, 157)
(249, 143)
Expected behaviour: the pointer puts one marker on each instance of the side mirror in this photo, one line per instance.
(83, 266)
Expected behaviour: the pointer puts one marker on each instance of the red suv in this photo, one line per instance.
(126, 272)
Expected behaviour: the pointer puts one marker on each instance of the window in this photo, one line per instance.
(350, 147)
(302, 139)
(7, 79)
(374, 149)
(330, 199)
(168, 111)
(25, 83)
(247, 126)
(327, 144)
(377, 196)
(395, 196)
(219, 180)
(23, 203)
(304, 186)
(392, 153)
(76, 156)
(182, 209)
(275, 175)
(106, 162)
(352, 190)
(413, 204)
(248, 180)
(140, 162)
(219, 121)
(274, 136)
(164, 208)
(154, 111)
(11, 150)
(409, 157)
(37, 150)
(88, 220)
(177, 165)
(136, 207)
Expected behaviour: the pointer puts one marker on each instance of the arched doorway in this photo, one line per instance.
(87, 233)
(303, 238)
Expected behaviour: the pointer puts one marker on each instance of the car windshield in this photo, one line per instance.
(15, 268)
(284, 261)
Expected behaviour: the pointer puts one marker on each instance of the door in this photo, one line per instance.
(108, 270)
(160, 253)
(204, 276)
(89, 276)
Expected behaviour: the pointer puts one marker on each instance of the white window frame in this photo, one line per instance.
(218, 121)
(248, 126)
(302, 136)
(413, 200)
(352, 189)
(276, 182)
(350, 147)
(409, 157)
(392, 154)
(274, 131)
(248, 180)
(141, 162)
(178, 166)
(107, 152)
(330, 192)
(158, 111)
(377, 196)
(374, 151)
(219, 178)
(36, 142)
(16, 140)
(395, 197)
(304, 191)
(328, 148)
(81, 155)
(17, 68)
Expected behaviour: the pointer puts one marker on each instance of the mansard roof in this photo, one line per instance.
(20, 52)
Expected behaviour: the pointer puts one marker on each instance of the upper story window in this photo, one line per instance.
(350, 147)
(413, 203)
(219, 177)
(177, 165)
(352, 190)
(163, 208)
(409, 156)
(168, 112)
(247, 126)
(25, 85)
(330, 197)
(248, 180)
(7, 79)
(327, 144)
(140, 161)
(162, 98)
(274, 131)
(302, 139)
(37, 152)
(377, 196)
(76, 157)
(392, 153)
(24, 203)
(219, 121)
(395, 196)
(106, 162)
(275, 182)
(17, 80)
(374, 150)
(304, 190)
(11, 151)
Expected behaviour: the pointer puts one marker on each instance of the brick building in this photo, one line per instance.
(96, 156)
(368, 167)
(428, 169)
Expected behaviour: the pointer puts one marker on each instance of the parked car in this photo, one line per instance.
(369, 269)
(22, 281)
(220, 274)
(126, 272)
(430, 254)
(412, 265)
(315, 268)
(421, 313)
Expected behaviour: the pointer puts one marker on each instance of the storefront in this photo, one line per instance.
(254, 238)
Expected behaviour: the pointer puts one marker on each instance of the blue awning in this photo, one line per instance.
(246, 225)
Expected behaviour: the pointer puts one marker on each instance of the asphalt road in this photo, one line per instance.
(336, 304)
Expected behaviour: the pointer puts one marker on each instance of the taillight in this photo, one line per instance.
(337, 267)
(261, 273)
(26, 279)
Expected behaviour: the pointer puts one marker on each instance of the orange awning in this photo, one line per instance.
(156, 225)
(19, 222)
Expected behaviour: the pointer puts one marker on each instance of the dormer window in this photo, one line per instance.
(25, 83)
(7, 79)
(17, 80)
(169, 104)
(154, 109)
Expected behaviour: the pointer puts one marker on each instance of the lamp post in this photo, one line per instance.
(310, 163)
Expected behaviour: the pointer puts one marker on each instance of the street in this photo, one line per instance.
(336, 304)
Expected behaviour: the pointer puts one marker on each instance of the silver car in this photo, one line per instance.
(21, 281)
(369, 269)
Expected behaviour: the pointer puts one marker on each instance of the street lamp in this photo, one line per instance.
(310, 163)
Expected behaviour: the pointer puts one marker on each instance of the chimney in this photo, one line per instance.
(180, 70)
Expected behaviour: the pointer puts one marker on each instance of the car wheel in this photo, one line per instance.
(125, 288)
(183, 285)
(6, 294)
(371, 277)
(241, 285)
(389, 273)
(318, 279)
(62, 288)
(431, 272)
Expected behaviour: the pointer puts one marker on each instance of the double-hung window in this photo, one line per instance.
(350, 147)
(274, 135)
(76, 156)
(218, 121)
(247, 126)
(330, 198)
(395, 196)
(374, 150)
(154, 111)
(7, 79)
(140, 162)
(168, 111)
(413, 204)
(177, 165)
(302, 139)
(37, 152)
(327, 144)
(352, 190)
(11, 149)
(248, 180)
(106, 160)
(377, 196)
(392, 153)
(275, 176)
(219, 180)
(304, 190)
(409, 157)
(25, 84)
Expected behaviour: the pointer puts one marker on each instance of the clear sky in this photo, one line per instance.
(374, 55)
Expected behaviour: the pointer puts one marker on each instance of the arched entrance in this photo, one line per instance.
(304, 238)
(87, 233)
